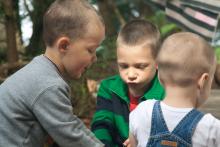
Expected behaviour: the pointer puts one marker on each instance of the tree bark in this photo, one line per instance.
(108, 14)
(19, 41)
(117, 13)
(36, 44)
(10, 25)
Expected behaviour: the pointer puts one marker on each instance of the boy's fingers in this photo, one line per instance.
(126, 143)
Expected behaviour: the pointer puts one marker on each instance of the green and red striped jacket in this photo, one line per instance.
(110, 121)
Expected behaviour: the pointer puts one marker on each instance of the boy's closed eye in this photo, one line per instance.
(141, 65)
(138, 66)
(122, 65)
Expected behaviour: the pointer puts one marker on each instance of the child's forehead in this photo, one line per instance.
(134, 53)
(131, 49)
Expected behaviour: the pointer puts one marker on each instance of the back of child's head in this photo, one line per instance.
(140, 32)
(183, 58)
(69, 18)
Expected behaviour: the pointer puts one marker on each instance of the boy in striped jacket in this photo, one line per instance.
(137, 47)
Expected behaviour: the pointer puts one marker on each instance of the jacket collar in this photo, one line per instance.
(121, 89)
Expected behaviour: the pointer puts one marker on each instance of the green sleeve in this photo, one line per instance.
(103, 119)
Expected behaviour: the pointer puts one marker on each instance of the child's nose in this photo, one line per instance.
(132, 75)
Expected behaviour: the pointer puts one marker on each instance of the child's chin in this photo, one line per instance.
(78, 76)
(75, 76)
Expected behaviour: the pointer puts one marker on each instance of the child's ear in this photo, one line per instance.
(203, 80)
(63, 43)
(156, 66)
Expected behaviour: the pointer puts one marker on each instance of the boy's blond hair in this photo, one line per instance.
(67, 18)
(138, 32)
(183, 58)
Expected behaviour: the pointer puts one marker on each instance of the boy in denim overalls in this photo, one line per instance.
(186, 66)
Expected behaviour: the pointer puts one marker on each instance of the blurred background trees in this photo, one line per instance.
(14, 12)
(16, 17)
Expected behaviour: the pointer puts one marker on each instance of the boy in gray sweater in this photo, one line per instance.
(35, 101)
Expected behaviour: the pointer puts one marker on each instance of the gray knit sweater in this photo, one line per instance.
(34, 102)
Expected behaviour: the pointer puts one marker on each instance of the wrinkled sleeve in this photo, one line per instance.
(53, 110)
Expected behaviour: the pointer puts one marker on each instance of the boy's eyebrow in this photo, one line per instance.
(139, 63)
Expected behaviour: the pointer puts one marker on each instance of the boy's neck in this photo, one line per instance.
(181, 97)
(51, 54)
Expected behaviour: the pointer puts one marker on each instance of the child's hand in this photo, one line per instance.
(127, 143)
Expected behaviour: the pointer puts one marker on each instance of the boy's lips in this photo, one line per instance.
(132, 83)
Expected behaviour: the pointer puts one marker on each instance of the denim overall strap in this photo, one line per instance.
(181, 136)
(158, 124)
(187, 125)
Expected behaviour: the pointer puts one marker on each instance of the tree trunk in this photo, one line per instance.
(10, 25)
(19, 41)
(36, 44)
(106, 10)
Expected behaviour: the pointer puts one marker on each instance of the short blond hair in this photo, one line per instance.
(183, 58)
(69, 18)
(138, 32)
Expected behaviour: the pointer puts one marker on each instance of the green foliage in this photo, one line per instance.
(92, 1)
(217, 51)
(158, 18)
(166, 28)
